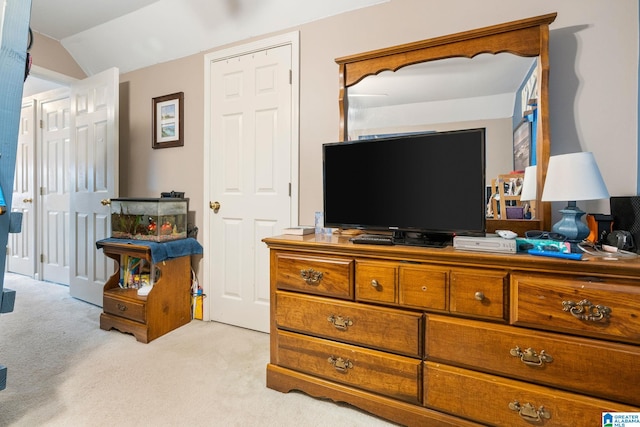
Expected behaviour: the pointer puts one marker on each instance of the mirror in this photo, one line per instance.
(465, 80)
(450, 94)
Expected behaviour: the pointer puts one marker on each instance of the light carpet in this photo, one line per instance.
(63, 370)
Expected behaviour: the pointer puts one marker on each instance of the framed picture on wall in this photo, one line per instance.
(168, 126)
(522, 146)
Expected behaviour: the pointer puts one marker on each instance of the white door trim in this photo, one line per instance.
(52, 76)
(292, 39)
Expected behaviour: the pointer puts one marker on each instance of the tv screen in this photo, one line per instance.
(427, 183)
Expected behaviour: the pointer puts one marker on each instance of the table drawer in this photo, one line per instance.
(598, 368)
(582, 306)
(398, 377)
(499, 401)
(124, 307)
(479, 293)
(330, 276)
(375, 327)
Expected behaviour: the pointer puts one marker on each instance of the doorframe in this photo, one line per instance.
(52, 76)
(292, 39)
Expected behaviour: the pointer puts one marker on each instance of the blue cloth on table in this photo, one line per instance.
(161, 251)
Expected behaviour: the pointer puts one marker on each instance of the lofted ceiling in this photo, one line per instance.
(59, 19)
(133, 34)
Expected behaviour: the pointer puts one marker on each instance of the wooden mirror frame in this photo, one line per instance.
(526, 37)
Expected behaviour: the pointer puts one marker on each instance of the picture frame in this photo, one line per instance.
(167, 118)
(522, 146)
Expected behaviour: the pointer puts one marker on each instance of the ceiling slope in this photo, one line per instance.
(133, 34)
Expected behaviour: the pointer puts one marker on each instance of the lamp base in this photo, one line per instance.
(571, 224)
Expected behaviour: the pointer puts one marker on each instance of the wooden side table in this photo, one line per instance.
(165, 308)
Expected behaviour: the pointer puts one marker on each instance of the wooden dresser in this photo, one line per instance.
(441, 337)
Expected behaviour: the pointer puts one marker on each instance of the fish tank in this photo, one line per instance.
(151, 219)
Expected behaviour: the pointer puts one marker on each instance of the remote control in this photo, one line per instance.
(554, 254)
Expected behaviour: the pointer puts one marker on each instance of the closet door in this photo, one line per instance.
(249, 151)
(54, 154)
(21, 257)
(94, 180)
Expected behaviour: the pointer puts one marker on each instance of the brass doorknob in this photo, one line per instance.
(29, 200)
(105, 202)
(215, 206)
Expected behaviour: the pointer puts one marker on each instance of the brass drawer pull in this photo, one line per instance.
(529, 412)
(530, 357)
(122, 307)
(375, 284)
(340, 364)
(585, 310)
(479, 296)
(340, 322)
(311, 276)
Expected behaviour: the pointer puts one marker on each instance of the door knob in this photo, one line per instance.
(29, 200)
(105, 202)
(215, 206)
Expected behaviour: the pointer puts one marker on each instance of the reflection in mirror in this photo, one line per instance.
(489, 91)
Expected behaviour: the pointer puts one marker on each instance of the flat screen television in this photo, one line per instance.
(425, 188)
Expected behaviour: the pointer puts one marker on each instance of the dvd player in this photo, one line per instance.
(485, 244)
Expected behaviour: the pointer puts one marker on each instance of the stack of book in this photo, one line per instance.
(299, 231)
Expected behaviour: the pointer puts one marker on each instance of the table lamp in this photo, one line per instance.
(572, 177)
(530, 188)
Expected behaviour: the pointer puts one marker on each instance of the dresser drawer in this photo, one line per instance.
(410, 286)
(479, 293)
(331, 276)
(376, 281)
(375, 327)
(390, 375)
(423, 287)
(601, 369)
(116, 302)
(603, 309)
(499, 401)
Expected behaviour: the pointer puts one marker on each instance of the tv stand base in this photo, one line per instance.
(426, 240)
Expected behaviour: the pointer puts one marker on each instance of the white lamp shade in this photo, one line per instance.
(572, 177)
(529, 184)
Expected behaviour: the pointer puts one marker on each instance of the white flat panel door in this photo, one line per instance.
(250, 172)
(22, 246)
(55, 154)
(94, 170)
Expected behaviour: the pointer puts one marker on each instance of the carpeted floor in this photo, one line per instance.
(63, 370)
